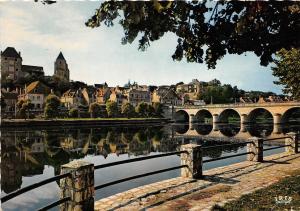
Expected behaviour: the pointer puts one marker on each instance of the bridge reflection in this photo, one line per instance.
(236, 131)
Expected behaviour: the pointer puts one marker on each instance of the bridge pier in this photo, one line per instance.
(277, 128)
(216, 127)
(192, 118)
(244, 119)
(243, 128)
(277, 118)
(215, 118)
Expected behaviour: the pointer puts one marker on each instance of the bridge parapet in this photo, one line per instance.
(236, 105)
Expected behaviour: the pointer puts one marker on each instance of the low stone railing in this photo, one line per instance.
(77, 188)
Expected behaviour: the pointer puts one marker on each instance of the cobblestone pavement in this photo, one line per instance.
(219, 186)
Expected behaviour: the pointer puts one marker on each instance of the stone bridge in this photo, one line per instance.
(216, 131)
(220, 113)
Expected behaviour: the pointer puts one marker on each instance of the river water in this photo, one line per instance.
(32, 155)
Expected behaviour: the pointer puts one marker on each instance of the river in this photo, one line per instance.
(32, 155)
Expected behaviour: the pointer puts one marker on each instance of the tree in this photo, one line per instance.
(128, 110)
(141, 109)
(95, 110)
(112, 109)
(24, 107)
(73, 113)
(52, 106)
(216, 27)
(158, 108)
(287, 70)
(3, 104)
(150, 111)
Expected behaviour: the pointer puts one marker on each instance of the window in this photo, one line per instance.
(33, 97)
(38, 105)
(17, 69)
(38, 97)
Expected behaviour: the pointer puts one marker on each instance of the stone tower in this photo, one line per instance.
(11, 64)
(61, 69)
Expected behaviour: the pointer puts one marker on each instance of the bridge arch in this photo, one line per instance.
(228, 114)
(292, 115)
(203, 116)
(181, 116)
(203, 129)
(260, 115)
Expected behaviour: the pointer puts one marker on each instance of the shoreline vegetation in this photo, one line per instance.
(78, 121)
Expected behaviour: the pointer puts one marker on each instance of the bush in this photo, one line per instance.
(141, 109)
(51, 107)
(112, 109)
(128, 110)
(73, 113)
(95, 110)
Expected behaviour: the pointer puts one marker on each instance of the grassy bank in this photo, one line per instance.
(283, 195)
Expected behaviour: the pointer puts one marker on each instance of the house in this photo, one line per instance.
(10, 99)
(136, 96)
(117, 95)
(166, 95)
(36, 92)
(102, 94)
(72, 98)
(192, 89)
(245, 100)
(30, 70)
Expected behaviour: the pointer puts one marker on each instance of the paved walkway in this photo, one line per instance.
(219, 186)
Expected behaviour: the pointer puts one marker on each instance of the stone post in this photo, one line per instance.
(193, 159)
(293, 143)
(277, 118)
(79, 186)
(256, 149)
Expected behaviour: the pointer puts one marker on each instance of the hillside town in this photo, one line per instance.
(28, 83)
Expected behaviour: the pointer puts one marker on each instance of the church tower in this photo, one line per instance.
(61, 69)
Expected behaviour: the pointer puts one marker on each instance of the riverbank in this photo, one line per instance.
(283, 195)
(81, 122)
(219, 186)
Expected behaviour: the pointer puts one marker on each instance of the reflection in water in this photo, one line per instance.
(203, 129)
(230, 130)
(26, 153)
(261, 130)
(181, 128)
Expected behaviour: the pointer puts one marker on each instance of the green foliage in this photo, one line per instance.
(150, 111)
(112, 109)
(287, 70)
(24, 107)
(95, 110)
(142, 109)
(74, 112)
(3, 104)
(216, 27)
(158, 108)
(52, 106)
(128, 110)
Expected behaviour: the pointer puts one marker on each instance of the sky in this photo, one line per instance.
(96, 55)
